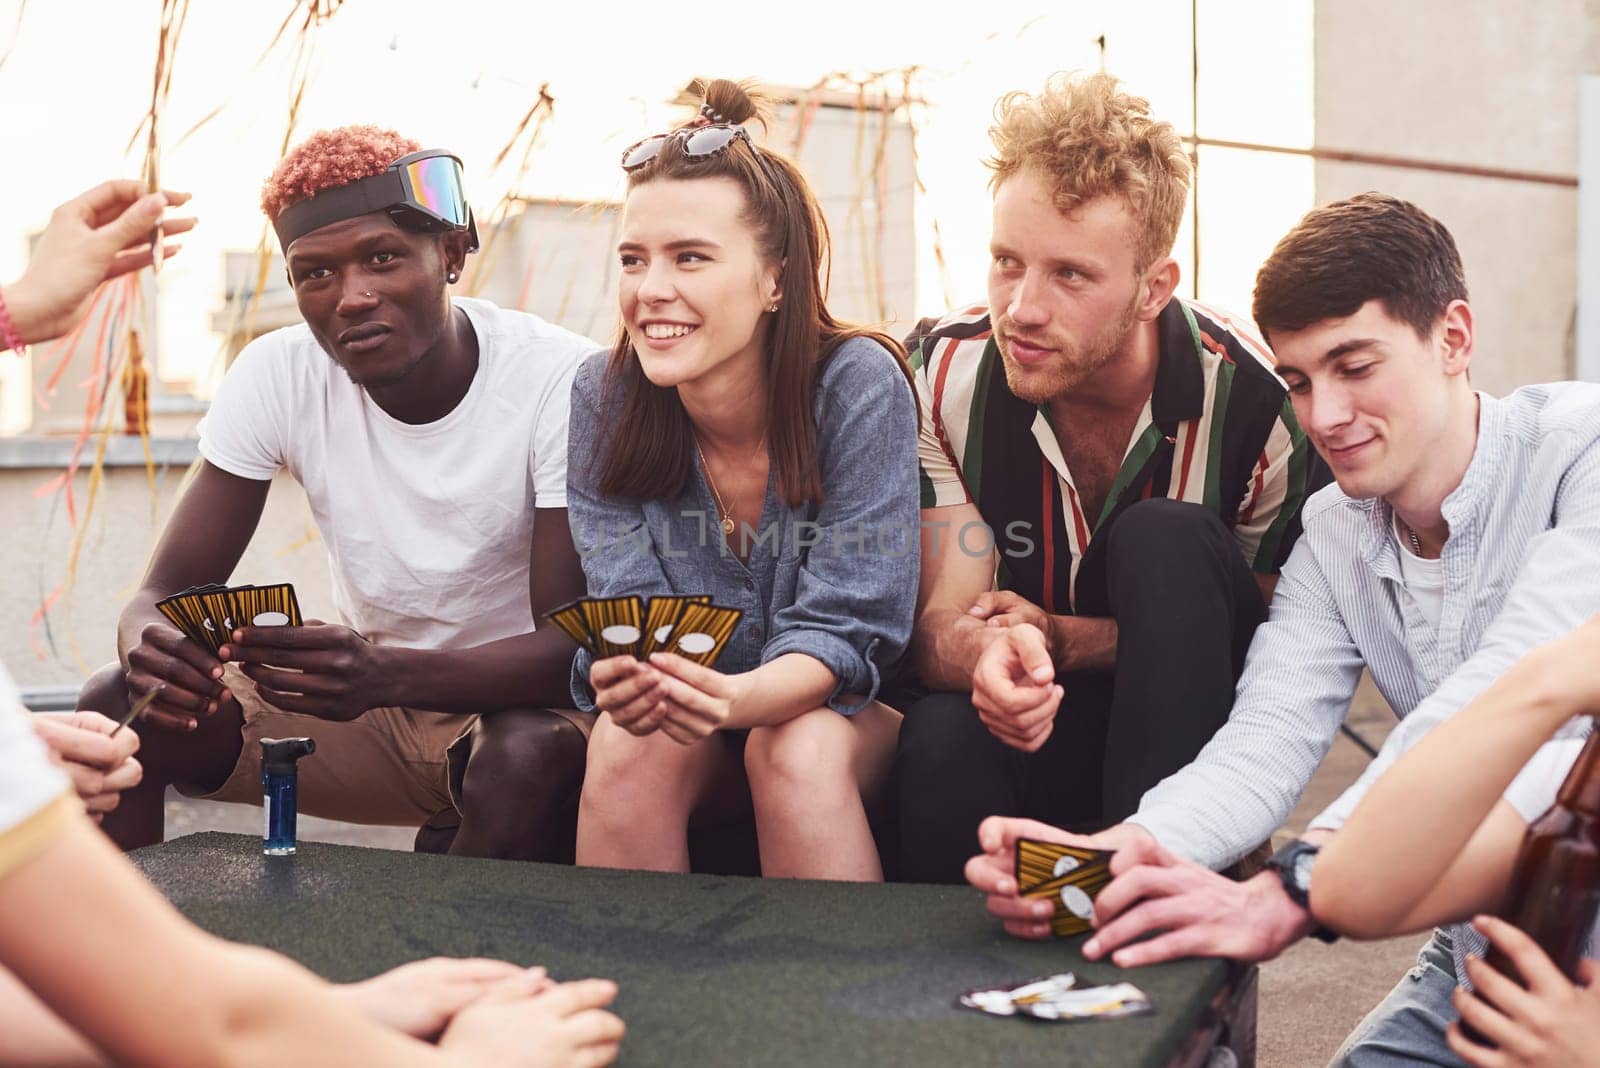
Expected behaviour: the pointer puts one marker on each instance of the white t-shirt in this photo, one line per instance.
(428, 528)
(31, 781)
(1423, 578)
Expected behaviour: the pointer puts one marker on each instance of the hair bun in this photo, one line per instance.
(731, 102)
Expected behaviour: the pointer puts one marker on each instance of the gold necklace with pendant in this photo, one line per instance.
(727, 516)
(722, 509)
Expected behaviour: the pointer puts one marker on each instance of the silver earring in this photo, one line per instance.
(452, 276)
(772, 307)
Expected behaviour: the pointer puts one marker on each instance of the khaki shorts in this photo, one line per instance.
(388, 766)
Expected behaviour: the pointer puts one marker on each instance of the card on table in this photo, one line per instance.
(1058, 997)
(1068, 875)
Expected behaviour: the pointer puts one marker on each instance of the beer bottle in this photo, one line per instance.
(1555, 887)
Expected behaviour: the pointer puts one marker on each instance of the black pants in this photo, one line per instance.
(1186, 606)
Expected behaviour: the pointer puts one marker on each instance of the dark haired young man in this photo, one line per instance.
(429, 434)
(1464, 530)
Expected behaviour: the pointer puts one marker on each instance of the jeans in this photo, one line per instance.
(1408, 1026)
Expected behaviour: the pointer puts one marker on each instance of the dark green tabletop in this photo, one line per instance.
(713, 970)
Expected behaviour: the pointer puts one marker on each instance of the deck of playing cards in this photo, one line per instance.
(691, 627)
(208, 614)
(1058, 997)
(1068, 875)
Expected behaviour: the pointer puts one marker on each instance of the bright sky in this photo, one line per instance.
(461, 74)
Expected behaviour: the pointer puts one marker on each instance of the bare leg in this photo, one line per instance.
(807, 781)
(521, 786)
(203, 757)
(639, 793)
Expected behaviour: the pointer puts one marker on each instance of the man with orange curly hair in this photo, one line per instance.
(429, 434)
(1111, 479)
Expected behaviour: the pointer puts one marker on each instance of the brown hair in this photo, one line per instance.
(1091, 139)
(1368, 247)
(650, 453)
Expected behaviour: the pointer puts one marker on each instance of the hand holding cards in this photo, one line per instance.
(209, 614)
(1069, 876)
(640, 688)
(179, 664)
(690, 627)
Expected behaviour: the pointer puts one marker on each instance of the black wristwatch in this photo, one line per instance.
(1293, 864)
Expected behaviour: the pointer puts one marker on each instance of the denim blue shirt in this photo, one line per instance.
(837, 582)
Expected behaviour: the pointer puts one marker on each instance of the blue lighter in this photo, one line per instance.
(280, 783)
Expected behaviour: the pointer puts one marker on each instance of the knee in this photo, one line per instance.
(1154, 530)
(1158, 542)
(618, 784)
(534, 758)
(798, 758)
(106, 692)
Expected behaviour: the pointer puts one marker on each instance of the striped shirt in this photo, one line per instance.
(1521, 567)
(1216, 430)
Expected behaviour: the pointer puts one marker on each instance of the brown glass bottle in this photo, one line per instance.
(1555, 888)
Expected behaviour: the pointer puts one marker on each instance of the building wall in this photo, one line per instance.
(1492, 84)
(861, 165)
(128, 517)
(556, 259)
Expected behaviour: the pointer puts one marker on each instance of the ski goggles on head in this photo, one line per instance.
(699, 142)
(422, 192)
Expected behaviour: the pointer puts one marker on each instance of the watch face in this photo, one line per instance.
(1302, 870)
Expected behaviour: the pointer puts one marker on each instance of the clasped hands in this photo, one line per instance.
(1014, 684)
(684, 700)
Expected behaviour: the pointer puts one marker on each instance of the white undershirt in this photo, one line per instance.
(1423, 578)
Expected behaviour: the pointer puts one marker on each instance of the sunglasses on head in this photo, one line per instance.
(422, 191)
(699, 142)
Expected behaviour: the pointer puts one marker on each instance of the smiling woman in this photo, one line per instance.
(766, 454)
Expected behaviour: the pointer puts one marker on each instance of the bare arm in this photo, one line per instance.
(1083, 643)
(31, 1036)
(947, 640)
(89, 937)
(780, 690)
(1432, 840)
(202, 542)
